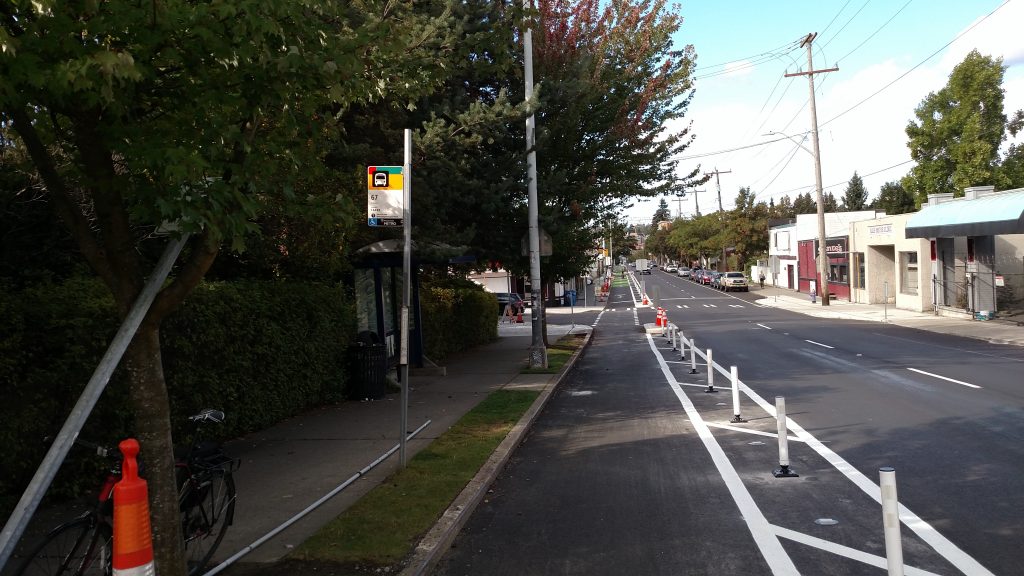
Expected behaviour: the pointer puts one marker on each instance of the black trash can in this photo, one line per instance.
(369, 371)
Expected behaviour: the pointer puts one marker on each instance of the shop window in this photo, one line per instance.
(858, 270)
(908, 272)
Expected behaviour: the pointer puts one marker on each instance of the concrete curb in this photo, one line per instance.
(439, 539)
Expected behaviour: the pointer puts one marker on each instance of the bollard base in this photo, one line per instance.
(784, 472)
(710, 390)
(737, 419)
(693, 370)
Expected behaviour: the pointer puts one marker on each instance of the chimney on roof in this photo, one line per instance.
(975, 192)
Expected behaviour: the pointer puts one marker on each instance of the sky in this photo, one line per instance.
(744, 49)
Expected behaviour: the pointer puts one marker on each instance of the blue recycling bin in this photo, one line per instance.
(572, 297)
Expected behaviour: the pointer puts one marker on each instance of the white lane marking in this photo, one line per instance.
(767, 542)
(749, 431)
(962, 383)
(735, 306)
(954, 555)
(765, 327)
(678, 306)
(819, 344)
(846, 551)
(636, 319)
(686, 305)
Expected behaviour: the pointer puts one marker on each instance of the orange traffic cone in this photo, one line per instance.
(645, 300)
(519, 317)
(133, 538)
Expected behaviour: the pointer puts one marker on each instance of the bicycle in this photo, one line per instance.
(206, 498)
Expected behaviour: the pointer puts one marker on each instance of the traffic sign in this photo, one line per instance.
(385, 202)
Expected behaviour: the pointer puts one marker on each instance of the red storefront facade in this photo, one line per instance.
(839, 266)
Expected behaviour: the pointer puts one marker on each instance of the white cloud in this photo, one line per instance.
(998, 35)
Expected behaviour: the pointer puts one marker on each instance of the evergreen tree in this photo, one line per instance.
(856, 196)
(831, 205)
(804, 204)
(662, 214)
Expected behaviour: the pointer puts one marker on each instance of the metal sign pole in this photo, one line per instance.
(403, 358)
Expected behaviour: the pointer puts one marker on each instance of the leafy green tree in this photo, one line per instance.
(955, 139)
(612, 83)
(894, 199)
(747, 228)
(199, 114)
(856, 195)
(804, 204)
(1011, 170)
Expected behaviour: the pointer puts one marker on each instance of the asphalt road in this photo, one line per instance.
(634, 469)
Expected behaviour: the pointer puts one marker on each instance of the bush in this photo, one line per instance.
(456, 319)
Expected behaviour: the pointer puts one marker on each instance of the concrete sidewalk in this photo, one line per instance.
(996, 331)
(293, 464)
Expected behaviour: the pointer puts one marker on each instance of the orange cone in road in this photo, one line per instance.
(133, 538)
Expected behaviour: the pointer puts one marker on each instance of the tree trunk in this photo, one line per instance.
(148, 392)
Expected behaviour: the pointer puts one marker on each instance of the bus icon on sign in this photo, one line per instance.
(380, 179)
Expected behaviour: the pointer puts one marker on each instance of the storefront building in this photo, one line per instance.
(887, 267)
(782, 254)
(837, 248)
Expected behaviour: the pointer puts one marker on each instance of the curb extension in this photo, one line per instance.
(439, 539)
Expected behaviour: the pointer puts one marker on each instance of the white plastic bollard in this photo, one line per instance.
(711, 373)
(891, 521)
(783, 471)
(682, 346)
(734, 374)
(693, 356)
(672, 328)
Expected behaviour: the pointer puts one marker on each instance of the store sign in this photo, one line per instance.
(879, 230)
(834, 247)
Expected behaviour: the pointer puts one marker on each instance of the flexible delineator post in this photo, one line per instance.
(891, 521)
(711, 373)
(783, 471)
(734, 375)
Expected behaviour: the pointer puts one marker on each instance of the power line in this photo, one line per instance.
(879, 29)
(864, 5)
(771, 51)
(916, 66)
(706, 154)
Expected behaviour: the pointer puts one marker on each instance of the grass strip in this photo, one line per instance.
(385, 524)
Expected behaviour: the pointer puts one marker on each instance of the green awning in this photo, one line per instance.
(1001, 213)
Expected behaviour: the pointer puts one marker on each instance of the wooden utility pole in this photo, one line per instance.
(822, 256)
(718, 183)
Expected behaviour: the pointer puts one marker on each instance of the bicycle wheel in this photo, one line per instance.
(208, 506)
(81, 547)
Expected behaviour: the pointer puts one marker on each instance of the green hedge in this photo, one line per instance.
(261, 351)
(456, 319)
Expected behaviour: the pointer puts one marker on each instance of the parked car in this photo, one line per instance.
(671, 268)
(733, 281)
(704, 277)
(683, 272)
(504, 298)
(715, 277)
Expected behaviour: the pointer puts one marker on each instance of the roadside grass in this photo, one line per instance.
(384, 525)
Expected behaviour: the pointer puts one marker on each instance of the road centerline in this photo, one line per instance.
(820, 344)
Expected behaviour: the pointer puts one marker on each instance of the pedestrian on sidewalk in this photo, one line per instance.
(761, 279)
